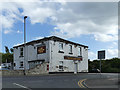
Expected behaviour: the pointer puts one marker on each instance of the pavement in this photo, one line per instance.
(82, 80)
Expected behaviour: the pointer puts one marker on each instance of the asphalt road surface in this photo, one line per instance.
(82, 80)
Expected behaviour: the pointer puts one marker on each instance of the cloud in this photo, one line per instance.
(7, 31)
(36, 38)
(113, 45)
(70, 19)
(9, 12)
(12, 31)
(112, 53)
(92, 56)
(105, 37)
(88, 18)
(18, 31)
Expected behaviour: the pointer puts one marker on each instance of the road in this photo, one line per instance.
(82, 80)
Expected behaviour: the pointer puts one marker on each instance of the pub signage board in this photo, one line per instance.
(72, 58)
(41, 49)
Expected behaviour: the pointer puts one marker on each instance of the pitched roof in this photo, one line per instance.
(54, 38)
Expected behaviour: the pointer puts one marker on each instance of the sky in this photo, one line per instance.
(94, 24)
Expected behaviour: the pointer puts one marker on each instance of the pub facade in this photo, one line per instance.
(60, 55)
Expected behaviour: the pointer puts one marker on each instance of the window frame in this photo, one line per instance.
(21, 64)
(61, 68)
(70, 49)
(61, 47)
(21, 52)
(79, 51)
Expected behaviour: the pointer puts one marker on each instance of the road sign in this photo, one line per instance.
(101, 54)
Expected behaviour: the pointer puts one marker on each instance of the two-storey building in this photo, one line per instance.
(60, 55)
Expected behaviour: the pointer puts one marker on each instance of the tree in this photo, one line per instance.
(0, 57)
(108, 65)
(11, 50)
(7, 57)
(6, 49)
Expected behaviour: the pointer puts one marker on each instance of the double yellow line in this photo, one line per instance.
(81, 83)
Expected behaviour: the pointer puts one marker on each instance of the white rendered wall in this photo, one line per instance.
(53, 56)
(56, 57)
(31, 55)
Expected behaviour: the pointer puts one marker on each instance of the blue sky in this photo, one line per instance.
(90, 23)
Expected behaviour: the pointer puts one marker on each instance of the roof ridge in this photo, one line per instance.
(51, 38)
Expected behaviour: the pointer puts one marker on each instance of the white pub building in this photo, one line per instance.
(60, 55)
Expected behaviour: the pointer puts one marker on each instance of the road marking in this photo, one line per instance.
(22, 86)
(113, 79)
(82, 84)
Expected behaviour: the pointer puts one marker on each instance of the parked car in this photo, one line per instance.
(94, 70)
(3, 68)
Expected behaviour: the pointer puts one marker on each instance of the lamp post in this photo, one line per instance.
(25, 44)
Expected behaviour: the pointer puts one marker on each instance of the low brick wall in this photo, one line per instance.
(38, 70)
(12, 72)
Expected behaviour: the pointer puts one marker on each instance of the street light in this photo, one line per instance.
(24, 43)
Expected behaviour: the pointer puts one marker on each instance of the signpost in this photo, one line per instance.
(101, 55)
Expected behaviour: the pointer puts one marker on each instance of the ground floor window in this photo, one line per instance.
(21, 64)
(61, 66)
(14, 64)
(33, 64)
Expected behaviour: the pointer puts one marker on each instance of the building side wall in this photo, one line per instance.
(83, 65)
(31, 55)
(68, 65)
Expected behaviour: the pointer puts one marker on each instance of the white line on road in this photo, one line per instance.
(22, 86)
(110, 74)
(113, 79)
(105, 73)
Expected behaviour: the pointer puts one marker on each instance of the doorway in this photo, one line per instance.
(76, 68)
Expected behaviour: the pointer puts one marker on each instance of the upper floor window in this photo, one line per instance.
(79, 51)
(61, 46)
(21, 52)
(70, 49)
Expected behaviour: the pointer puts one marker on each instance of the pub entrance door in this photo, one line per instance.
(75, 67)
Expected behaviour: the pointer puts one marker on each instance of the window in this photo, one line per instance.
(70, 49)
(79, 51)
(61, 63)
(21, 52)
(21, 64)
(14, 64)
(61, 66)
(61, 46)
